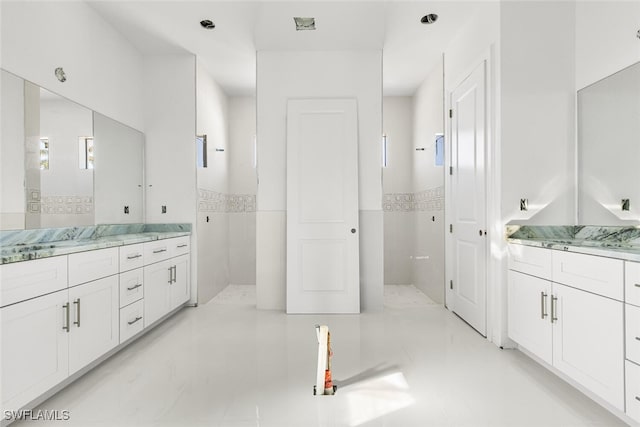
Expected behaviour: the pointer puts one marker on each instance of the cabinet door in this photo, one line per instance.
(157, 296)
(588, 342)
(34, 348)
(95, 326)
(180, 288)
(528, 313)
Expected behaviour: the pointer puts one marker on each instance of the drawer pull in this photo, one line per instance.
(638, 338)
(137, 319)
(183, 246)
(134, 287)
(134, 256)
(543, 305)
(157, 251)
(77, 322)
(65, 326)
(637, 285)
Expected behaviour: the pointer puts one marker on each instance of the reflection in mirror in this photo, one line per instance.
(61, 164)
(59, 193)
(119, 159)
(609, 150)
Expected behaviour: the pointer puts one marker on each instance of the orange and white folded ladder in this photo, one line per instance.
(324, 384)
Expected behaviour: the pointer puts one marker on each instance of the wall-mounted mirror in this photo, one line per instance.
(609, 150)
(63, 164)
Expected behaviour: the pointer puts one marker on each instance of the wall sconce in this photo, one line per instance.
(60, 75)
(625, 204)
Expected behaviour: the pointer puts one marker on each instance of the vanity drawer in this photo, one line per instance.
(598, 275)
(632, 387)
(29, 279)
(131, 320)
(131, 286)
(131, 256)
(157, 251)
(530, 260)
(91, 265)
(632, 283)
(180, 245)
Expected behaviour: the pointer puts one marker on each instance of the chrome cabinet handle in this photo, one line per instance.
(134, 256)
(554, 308)
(135, 320)
(637, 285)
(134, 287)
(65, 326)
(160, 250)
(543, 305)
(77, 322)
(170, 275)
(173, 276)
(183, 246)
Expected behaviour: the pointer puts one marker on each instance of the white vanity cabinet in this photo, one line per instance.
(167, 286)
(35, 348)
(60, 314)
(93, 321)
(632, 338)
(566, 309)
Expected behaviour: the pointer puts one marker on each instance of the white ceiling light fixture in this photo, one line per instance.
(305, 23)
(207, 24)
(429, 19)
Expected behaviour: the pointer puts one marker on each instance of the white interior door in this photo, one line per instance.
(468, 202)
(322, 206)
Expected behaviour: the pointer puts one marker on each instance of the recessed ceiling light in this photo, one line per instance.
(305, 23)
(208, 24)
(429, 19)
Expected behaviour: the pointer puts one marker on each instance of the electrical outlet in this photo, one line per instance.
(625, 204)
(164, 209)
(126, 209)
(524, 204)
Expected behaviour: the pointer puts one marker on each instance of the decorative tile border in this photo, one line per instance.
(424, 201)
(37, 203)
(213, 201)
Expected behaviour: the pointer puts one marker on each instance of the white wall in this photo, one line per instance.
(212, 235)
(606, 39)
(104, 71)
(12, 196)
(242, 183)
(397, 185)
(538, 111)
(428, 185)
(334, 74)
(170, 129)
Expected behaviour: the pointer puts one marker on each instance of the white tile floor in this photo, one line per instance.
(227, 364)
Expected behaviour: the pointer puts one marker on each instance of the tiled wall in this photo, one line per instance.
(213, 201)
(58, 204)
(430, 200)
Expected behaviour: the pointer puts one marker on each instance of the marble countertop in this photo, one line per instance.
(25, 245)
(612, 242)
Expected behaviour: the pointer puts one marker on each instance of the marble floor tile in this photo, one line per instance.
(227, 364)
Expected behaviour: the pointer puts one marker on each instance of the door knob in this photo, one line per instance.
(353, 231)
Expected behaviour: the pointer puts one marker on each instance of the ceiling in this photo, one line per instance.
(228, 52)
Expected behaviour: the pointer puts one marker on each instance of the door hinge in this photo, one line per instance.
(450, 228)
(450, 170)
(450, 284)
(450, 114)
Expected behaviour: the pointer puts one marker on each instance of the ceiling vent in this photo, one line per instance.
(305, 23)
